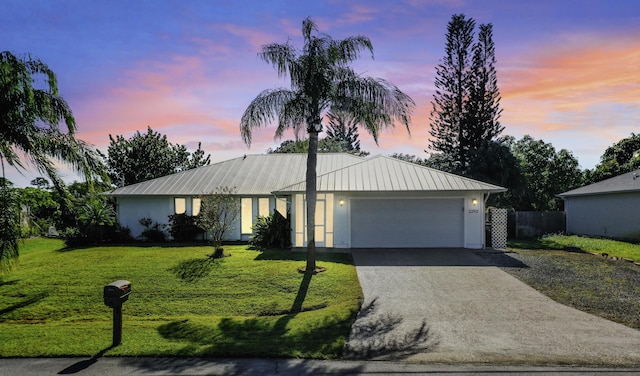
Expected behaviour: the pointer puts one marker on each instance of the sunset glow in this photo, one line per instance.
(568, 70)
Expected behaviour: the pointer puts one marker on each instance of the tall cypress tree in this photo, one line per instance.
(484, 100)
(465, 106)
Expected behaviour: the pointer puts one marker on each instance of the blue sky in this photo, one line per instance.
(568, 71)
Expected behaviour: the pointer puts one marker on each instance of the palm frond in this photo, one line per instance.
(374, 102)
(263, 110)
(280, 56)
(292, 116)
(349, 49)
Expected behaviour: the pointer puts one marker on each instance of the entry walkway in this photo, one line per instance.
(448, 305)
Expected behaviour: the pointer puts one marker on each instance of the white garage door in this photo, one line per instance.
(390, 223)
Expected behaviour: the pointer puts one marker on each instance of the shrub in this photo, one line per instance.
(152, 231)
(272, 231)
(183, 228)
(96, 223)
(73, 237)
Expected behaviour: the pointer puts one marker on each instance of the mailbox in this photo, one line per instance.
(116, 293)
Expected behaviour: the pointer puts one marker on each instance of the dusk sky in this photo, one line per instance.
(568, 70)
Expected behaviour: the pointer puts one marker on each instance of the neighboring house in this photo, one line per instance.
(610, 208)
(375, 202)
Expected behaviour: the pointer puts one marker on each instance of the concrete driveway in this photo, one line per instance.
(449, 305)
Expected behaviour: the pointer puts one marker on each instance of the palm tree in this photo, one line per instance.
(30, 120)
(31, 111)
(321, 81)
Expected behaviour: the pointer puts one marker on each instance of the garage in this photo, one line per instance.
(407, 223)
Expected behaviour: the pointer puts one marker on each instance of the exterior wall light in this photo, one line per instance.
(341, 202)
(474, 201)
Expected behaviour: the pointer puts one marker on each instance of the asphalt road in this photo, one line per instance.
(282, 367)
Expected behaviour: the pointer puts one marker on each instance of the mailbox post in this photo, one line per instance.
(114, 295)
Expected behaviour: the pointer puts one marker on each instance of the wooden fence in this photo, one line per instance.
(531, 224)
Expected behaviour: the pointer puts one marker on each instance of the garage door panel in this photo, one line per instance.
(388, 223)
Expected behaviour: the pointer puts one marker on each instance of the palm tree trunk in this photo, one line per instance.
(311, 192)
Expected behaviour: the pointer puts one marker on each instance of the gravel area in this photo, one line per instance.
(594, 284)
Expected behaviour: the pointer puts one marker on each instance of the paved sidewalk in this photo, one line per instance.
(449, 305)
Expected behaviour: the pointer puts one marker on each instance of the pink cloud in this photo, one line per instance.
(582, 92)
(155, 94)
(576, 75)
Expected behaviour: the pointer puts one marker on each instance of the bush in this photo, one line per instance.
(73, 237)
(183, 228)
(122, 234)
(92, 235)
(272, 231)
(152, 231)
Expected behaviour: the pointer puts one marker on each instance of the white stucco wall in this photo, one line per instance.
(132, 209)
(159, 208)
(473, 219)
(608, 215)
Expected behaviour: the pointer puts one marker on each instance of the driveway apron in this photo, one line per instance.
(449, 305)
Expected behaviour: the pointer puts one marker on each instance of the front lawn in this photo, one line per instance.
(251, 304)
(609, 247)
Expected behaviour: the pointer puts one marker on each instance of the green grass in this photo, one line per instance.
(610, 247)
(182, 303)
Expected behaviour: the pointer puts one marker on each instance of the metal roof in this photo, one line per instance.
(629, 182)
(387, 174)
(264, 174)
(250, 175)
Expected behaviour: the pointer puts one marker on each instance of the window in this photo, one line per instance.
(246, 215)
(263, 206)
(181, 205)
(195, 206)
(281, 206)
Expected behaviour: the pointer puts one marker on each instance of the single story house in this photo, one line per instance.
(609, 208)
(373, 202)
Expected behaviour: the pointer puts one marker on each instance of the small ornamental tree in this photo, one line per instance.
(219, 212)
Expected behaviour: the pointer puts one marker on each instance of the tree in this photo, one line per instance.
(325, 145)
(148, 156)
(40, 183)
(291, 147)
(321, 80)
(619, 158)
(493, 162)
(96, 217)
(546, 173)
(218, 213)
(409, 158)
(465, 106)
(31, 113)
(30, 120)
(43, 210)
(343, 129)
